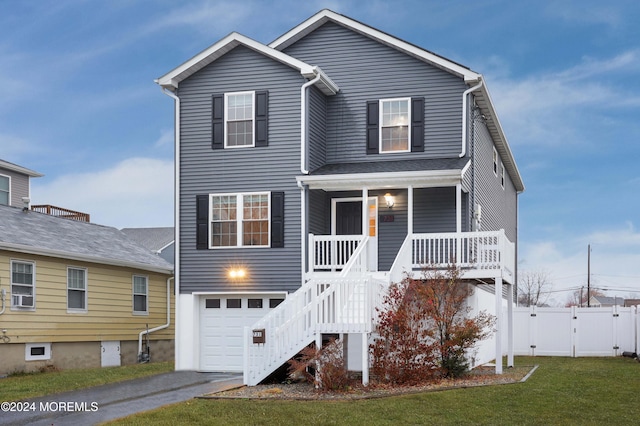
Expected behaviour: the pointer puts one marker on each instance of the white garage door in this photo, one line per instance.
(222, 322)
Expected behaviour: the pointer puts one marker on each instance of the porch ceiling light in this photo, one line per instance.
(389, 199)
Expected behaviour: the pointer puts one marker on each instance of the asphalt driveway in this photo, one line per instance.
(102, 403)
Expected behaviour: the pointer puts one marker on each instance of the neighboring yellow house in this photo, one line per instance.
(76, 294)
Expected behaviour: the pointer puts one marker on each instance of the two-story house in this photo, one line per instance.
(313, 171)
(15, 183)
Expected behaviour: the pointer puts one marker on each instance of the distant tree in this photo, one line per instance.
(534, 288)
(579, 297)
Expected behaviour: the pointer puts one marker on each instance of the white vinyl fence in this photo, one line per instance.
(576, 332)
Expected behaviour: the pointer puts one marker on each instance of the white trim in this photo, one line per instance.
(495, 162)
(86, 291)
(19, 169)
(252, 118)
(27, 351)
(325, 15)
(171, 79)
(239, 219)
(502, 176)
(134, 294)
(380, 125)
(373, 181)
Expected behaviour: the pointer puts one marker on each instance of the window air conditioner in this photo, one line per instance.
(22, 301)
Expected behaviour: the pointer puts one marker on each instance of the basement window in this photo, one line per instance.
(37, 351)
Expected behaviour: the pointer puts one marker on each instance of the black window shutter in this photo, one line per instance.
(417, 124)
(217, 122)
(277, 219)
(202, 222)
(373, 130)
(261, 116)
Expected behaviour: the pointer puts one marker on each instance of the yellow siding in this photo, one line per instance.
(109, 313)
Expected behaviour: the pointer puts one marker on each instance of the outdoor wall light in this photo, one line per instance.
(389, 199)
(237, 273)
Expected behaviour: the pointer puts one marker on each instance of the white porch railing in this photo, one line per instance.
(331, 252)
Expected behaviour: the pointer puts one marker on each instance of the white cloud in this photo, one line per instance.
(165, 139)
(137, 192)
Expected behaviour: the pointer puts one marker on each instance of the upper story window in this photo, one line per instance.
(240, 220)
(394, 125)
(5, 190)
(502, 175)
(23, 284)
(239, 120)
(495, 161)
(140, 294)
(77, 289)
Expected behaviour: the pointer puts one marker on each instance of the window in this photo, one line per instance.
(239, 119)
(212, 303)
(140, 295)
(495, 162)
(240, 220)
(37, 351)
(275, 302)
(394, 125)
(502, 175)
(255, 303)
(77, 289)
(5, 190)
(22, 284)
(234, 303)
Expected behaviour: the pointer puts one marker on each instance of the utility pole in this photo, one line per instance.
(589, 276)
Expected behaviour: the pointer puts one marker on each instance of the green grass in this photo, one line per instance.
(20, 386)
(562, 391)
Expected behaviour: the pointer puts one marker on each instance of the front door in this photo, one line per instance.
(347, 220)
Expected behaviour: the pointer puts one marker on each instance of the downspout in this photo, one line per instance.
(3, 294)
(160, 327)
(464, 116)
(304, 170)
(303, 123)
(176, 215)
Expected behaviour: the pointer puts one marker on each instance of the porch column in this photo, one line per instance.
(499, 322)
(365, 359)
(365, 211)
(410, 210)
(458, 208)
(510, 326)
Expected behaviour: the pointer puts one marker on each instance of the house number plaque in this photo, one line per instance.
(258, 336)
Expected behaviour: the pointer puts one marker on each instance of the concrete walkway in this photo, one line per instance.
(102, 403)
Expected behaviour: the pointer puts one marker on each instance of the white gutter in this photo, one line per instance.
(160, 327)
(464, 116)
(303, 121)
(176, 213)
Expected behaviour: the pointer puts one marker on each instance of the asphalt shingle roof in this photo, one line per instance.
(393, 166)
(49, 235)
(154, 239)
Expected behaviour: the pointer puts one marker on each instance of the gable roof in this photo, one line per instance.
(172, 79)
(19, 169)
(41, 234)
(155, 239)
(327, 15)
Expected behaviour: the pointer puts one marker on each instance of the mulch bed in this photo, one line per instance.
(481, 376)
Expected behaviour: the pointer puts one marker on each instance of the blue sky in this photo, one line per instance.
(79, 105)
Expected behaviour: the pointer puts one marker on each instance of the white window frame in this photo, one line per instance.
(8, 191)
(33, 284)
(134, 294)
(227, 120)
(71, 310)
(45, 357)
(495, 161)
(502, 175)
(381, 103)
(239, 219)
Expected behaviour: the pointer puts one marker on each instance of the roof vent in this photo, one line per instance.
(25, 202)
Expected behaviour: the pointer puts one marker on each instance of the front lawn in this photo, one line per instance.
(585, 391)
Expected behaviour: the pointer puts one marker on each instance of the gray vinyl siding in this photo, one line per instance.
(367, 70)
(271, 168)
(391, 234)
(18, 186)
(317, 142)
(498, 205)
(434, 210)
(319, 213)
